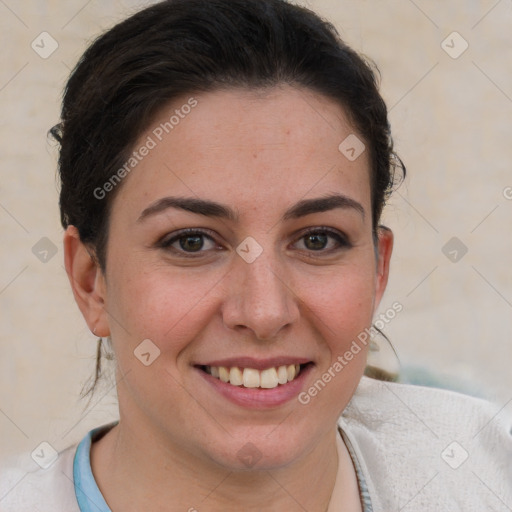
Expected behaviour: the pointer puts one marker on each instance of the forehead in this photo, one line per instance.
(249, 146)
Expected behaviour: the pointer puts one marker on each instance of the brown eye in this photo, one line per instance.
(191, 243)
(316, 241)
(188, 242)
(323, 240)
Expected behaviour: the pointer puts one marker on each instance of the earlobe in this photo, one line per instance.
(87, 282)
(385, 248)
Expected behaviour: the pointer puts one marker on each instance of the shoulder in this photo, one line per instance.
(26, 489)
(427, 445)
(377, 404)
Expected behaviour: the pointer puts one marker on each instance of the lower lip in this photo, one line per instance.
(258, 398)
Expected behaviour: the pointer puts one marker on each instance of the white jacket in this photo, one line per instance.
(416, 449)
(430, 450)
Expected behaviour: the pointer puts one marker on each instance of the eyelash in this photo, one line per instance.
(166, 243)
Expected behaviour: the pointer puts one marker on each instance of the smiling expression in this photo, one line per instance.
(242, 247)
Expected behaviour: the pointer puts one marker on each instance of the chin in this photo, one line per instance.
(262, 449)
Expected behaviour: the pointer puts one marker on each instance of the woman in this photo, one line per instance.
(224, 166)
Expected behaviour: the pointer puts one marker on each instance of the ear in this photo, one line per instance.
(87, 282)
(384, 248)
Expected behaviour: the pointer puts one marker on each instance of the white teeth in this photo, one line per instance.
(252, 378)
(268, 378)
(235, 376)
(282, 375)
(290, 370)
(223, 374)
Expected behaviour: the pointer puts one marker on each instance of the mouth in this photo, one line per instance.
(255, 384)
(268, 378)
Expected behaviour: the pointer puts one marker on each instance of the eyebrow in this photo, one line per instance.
(323, 204)
(213, 209)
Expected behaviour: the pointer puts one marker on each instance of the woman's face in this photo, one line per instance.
(270, 275)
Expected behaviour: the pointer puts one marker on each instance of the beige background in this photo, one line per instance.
(452, 126)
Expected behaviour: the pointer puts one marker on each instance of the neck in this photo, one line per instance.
(132, 470)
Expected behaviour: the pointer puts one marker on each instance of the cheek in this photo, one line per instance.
(342, 305)
(341, 310)
(168, 307)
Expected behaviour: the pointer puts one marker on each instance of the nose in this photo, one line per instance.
(259, 298)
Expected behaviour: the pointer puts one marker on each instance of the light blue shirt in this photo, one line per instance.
(88, 495)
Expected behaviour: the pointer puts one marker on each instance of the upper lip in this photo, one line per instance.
(257, 364)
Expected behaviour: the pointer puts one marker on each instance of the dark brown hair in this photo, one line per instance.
(179, 47)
